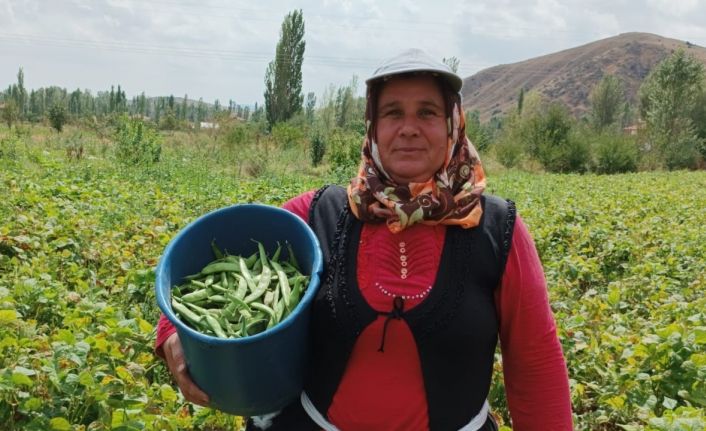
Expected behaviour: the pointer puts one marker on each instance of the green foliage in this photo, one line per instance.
(9, 146)
(10, 112)
(479, 134)
(283, 78)
(546, 131)
(615, 153)
(607, 102)
(668, 99)
(57, 117)
(317, 149)
(136, 143)
(287, 135)
(344, 150)
(623, 257)
(169, 121)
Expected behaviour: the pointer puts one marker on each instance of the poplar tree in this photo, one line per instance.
(283, 78)
(607, 100)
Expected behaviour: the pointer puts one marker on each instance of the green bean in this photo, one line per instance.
(250, 261)
(275, 257)
(215, 326)
(257, 266)
(216, 267)
(279, 309)
(261, 285)
(283, 282)
(187, 314)
(263, 307)
(249, 326)
(196, 296)
(246, 274)
(235, 297)
(295, 295)
(220, 299)
(269, 298)
(292, 257)
(216, 251)
(198, 283)
(242, 289)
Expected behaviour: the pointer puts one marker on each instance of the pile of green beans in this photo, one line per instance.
(236, 297)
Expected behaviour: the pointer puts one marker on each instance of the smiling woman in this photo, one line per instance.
(424, 273)
(411, 128)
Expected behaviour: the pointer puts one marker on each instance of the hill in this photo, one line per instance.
(570, 75)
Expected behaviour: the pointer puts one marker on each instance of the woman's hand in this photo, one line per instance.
(174, 355)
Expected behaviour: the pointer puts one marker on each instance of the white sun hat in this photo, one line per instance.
(415, 60)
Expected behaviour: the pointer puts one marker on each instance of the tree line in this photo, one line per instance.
(668, 124)
(55, 103)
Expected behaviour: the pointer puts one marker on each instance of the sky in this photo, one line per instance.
(220, 49)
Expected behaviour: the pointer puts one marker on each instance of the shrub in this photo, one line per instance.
(136, 142)
(287, 135)
(317, 149)
(57, 117)
(615, 153)
(508, 151)
(74, 146)
(8, 147)
(10, 112)
(344, 150)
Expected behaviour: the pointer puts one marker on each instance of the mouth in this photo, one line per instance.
(409, 150)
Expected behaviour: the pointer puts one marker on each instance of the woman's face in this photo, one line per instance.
(411, 129)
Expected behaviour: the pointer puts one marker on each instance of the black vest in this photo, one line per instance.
(455, 327)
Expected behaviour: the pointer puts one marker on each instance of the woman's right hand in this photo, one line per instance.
(174, 355)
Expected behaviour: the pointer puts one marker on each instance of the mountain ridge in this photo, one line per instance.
(568, 76)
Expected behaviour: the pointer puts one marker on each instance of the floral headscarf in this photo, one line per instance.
(450, 197)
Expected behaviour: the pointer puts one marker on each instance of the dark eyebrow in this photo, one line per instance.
(431, 103)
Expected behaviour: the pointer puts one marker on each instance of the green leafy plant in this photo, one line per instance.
(136, 143)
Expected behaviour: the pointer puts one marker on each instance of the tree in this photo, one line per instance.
(452, 62)
(607, 101)
(283, 78)
(21, 93)
(10, 113)
(668, 98)
(57, 117)
(520, 100)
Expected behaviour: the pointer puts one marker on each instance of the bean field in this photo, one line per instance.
(624, 256)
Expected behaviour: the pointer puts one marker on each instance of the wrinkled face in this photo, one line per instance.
(411, 128)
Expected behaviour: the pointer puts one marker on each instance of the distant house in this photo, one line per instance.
(631, 130)
(208, 125)
(634, 129)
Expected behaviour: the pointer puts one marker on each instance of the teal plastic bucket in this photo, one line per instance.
(264, 372)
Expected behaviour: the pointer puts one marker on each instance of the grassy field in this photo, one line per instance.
(79, 238)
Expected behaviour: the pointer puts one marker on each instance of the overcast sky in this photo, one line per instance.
(219, 49)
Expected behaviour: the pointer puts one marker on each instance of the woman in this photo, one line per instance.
(423, 274)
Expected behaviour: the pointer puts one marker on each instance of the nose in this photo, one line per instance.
(409, 127)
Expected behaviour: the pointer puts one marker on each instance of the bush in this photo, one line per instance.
(57, 117)
(615, 153)
(10, 112)
(136, 142)
(8, 147)
(344, 150)
(508, 151)
(287, 135)
(317, 149)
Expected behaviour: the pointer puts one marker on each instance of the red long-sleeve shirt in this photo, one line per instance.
(533, 364)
